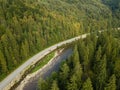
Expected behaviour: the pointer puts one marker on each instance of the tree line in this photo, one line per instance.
(94, 65)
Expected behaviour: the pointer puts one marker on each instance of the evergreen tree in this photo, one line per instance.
(54, 86)
(72, 85)
(77, 71)
(87, 85)
(43, 85)
(86, 61)
(81, 49)
(117, 72)
(100, 70)
(97, 60)
(3, 64)
(101, 77)
(75, 56)
(24, 50)
(63, 75)
(111, 85)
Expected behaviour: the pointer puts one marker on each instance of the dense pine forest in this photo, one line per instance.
(94, 65)
(29, 26)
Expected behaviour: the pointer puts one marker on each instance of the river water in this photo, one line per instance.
(32, 84)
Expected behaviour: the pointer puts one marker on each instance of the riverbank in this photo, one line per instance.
(30, 82)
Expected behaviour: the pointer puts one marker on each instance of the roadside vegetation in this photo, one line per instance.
(43, 62)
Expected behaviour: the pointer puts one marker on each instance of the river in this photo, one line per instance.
(33, 82)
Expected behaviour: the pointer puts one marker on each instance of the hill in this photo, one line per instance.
(28, 26)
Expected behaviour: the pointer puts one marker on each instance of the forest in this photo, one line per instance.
(29, 26)
(94, 65)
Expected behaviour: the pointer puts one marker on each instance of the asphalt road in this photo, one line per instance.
(34, 59)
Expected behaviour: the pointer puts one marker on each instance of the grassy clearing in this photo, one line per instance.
(43, 61)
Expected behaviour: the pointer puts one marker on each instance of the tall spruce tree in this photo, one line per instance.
(100, 69)
(3, 65)
(72, 85)
(111, 85)
(87, 85)
(54, 85)
(102, 73)
(63, 75)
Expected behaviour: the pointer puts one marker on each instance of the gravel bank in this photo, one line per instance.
(31, 80)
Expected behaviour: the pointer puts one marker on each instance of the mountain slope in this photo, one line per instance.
(28, 26)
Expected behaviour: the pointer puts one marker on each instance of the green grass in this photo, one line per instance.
(43, 61)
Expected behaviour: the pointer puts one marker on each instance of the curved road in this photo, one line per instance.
(15, 74)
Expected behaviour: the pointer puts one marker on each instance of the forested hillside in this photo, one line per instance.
(114, 5)
(94, 65)
(28, 26)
